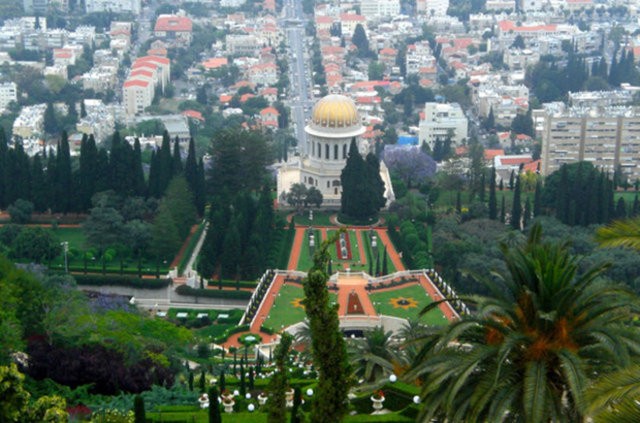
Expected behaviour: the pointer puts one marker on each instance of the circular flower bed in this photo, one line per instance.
(250, 339)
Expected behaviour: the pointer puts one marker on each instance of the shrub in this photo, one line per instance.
(213, 293)
(101, 280)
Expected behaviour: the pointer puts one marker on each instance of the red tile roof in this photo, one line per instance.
(172, 23)
(136, 83)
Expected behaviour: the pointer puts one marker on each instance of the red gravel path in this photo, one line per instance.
(363, 256)
(296, 248)
(391, 250)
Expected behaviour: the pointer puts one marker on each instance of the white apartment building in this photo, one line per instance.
(606, 137)
(418, 56)
(232, 3)
(8, 93)
(373, 9)
(30, 121)
(137, 95)
(440, 120)
(116, 6)
(496, 5)
(99, 121)
(432, 7)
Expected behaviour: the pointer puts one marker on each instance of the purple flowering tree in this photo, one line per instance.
(412, 165)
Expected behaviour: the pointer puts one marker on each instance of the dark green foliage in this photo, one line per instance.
(276, 408)
(362, 186)
(297, 402)
(493, 204)
(516, 208)
(20, 211)
(212, 293)
(360, 40)
(99, 280)
(222, 382)
(190, 380)
(537, 206)
(202, 382)
(328, 345)
(214, 405)
(138, 409)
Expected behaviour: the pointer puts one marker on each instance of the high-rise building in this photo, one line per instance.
(116, 6)
(442, 120)
(372, 9)
(8, 93)
(608, 137)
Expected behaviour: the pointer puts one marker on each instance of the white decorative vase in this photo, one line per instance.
(228, 406)
(377, 403)
(289, 397)
(262, 399)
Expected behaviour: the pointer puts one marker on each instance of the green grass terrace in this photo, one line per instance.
(406, 302)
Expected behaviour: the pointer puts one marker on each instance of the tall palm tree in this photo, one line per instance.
(372, 357)
(529, 351)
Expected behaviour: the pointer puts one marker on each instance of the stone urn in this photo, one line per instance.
(228, 404)
(288, 396)
(262, 399)
(377, 401)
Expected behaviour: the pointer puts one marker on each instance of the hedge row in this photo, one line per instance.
(213, 293)
(267, 330)
(101, 280)
(231, 331)
(232, 284)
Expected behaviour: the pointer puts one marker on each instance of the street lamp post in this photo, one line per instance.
(65, 248)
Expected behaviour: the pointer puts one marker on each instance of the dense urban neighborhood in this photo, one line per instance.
(319, 211)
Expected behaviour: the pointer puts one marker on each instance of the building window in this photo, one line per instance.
(326, 151)
(335, 152)
(313, 148)
(336, 183)
(328, 184)
(344, 151)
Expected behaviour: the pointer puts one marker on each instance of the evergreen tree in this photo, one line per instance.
(102, 181)
(297, 402)
(176, 167)
(503, 211)
(621, 209)
(222, 382)
(3, 164)
(459, 202)
(362, 187)
(191, 381)
(191, 171)
(86, 172)
(512, 179)
(377, 264)
(51, 177)
(537, 206)
(490, 121)
(276, 406)
(202, 381)
(50, 122)
(360, 40)
(527, 213)
(251, 378)
(200, 194)
(38, 185)
(120, 167)
(63, 182)
(327, 343)
(83, 110)
(636, 206)
(493, 204)
(243, 383)
(214, 405)
(154, 176)
(385, 268)
(138, 409)
(165, 170)
(516, 208)
(230, 257)
(137, 172)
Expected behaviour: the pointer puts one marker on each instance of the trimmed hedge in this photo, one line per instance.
(267, 330)
(232, 284)
(227, 333)
(102, 280)
(213, 293)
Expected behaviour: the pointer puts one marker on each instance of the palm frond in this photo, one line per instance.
(621, 233)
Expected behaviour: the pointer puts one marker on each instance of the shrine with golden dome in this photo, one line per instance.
(334, 122)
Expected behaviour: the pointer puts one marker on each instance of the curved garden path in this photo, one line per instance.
(391, 249)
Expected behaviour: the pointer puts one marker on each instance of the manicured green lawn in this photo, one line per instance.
(371, 253)
(319, 219)
(354, 263)
(305, 260)
(382, 303)
(283, 313)
(74, 236)
(203, 417)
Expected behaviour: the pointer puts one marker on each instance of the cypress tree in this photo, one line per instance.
(202, 381)
(222, 382)
(138, 409)
(137, 173)
(501, 185)
(527, 212)
(636, 206)
(64, 182)
(377, 264)
(251, 379)
(50, 179)
(370, 267)
(86, 172)
(191, 381)
(176, 166)
(165, 169)
(38, 185)
(3, 163)
(276, 406)
(191, 171)
(214, 406)
(459, 202)
(516, 208)
(243, 383)
(385, 268)
(200, 194)
(621, 209)
(537, 206)
(562, 208)
(297, 402)
(503, 217)
(512, 180)
(482, 186)
(154, 176)
(493, 204)
(328, 345)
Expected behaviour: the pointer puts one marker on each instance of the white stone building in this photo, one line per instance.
(8, 93)
(440, 120)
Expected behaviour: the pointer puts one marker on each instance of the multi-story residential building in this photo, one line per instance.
(8, 93)
(373, 9)
(419, 56)
(99, 121)
(432, 7)
(600, 98)
(518, 59)
(137, 95)
(30, 121)
(349, 21)
(116, 6)
(100, 78)
(242, 45)
(175, 28)
(232, 3)
(440, 120)
(500, 5)
(607, 137)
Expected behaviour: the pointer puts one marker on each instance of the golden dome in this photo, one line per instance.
(335, 111)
